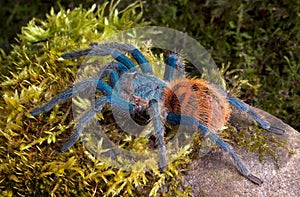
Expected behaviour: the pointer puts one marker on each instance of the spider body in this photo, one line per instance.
(193, 102)
(142, 86)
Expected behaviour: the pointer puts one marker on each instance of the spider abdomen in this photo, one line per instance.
(197, 98)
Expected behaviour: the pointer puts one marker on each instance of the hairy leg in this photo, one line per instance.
(173, 63)
(114, 49)
(191, 121)
(246, 108)
(103, 87)
(159, 132)
(89, 114)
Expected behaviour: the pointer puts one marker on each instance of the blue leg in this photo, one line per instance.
(121, 68)
(112, 49)
(62, 97)
(172, 64)
(141, 60)
(155, 115)
(191, 121)
(246, 108)
(103, 87)
(136, 54)
(117, 55)
(88, 115)
(113, 78)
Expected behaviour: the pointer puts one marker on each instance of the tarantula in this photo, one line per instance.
(149, 96)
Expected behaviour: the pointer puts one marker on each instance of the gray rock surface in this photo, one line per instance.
(216, 175)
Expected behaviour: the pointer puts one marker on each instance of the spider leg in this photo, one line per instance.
(246, 108)
(173, 62)
(103, 87)
(155, 115)
(136, 54)
(191, 121)
(88, 115)
(121, 68)
(54, 101)
(117, 55)
(113, 78)
(79, 87)
(113, 50)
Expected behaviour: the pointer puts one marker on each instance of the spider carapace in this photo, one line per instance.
(173, 99)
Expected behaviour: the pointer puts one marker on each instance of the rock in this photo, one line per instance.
(216, 175)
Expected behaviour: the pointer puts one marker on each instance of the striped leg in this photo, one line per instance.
(103, 87)
(113, 50)
(191, 121)
(136, 54)
(246, 108)
(172, 64)
(117, 66)
(159, 132)
(88, 115)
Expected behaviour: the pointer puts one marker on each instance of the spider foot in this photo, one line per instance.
(276, 130)
(162, 162)
(75, 137)
(37, 111)
(254, 179)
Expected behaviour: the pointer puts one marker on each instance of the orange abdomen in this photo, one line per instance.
(195, 97)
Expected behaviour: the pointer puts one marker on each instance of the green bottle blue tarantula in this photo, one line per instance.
(147, 95)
